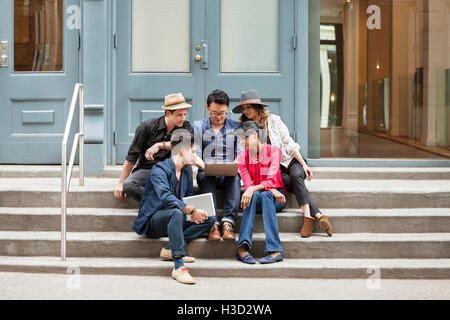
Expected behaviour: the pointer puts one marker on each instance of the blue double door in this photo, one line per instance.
(196, 46)
(40, 67)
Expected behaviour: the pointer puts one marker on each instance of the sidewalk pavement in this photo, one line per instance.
(27, 286)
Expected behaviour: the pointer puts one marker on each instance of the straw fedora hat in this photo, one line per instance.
(175, 101)
(249, 97)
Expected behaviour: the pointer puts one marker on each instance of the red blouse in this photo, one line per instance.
(264, 170)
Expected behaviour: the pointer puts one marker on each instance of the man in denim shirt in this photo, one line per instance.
(215, 144)
(163, 213)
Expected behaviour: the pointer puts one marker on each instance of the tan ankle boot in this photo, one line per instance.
(325, 225)
(308, 225)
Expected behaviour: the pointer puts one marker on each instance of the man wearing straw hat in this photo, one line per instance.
(150, 145)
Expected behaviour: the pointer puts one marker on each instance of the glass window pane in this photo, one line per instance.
(327, 33)
(157, 51)
(330, 110)
(249, 35)
(38, 35)
(396, 90)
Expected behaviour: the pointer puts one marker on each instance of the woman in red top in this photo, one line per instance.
(259, 166)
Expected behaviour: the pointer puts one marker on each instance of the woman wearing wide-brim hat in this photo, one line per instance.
(294, 169)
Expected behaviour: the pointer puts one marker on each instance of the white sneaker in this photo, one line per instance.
(166, 254)
(182, 275)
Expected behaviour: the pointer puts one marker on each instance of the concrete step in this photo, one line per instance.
(289, 268)
(358, 173)
(374, 194)
(422, 220)
(127, 244)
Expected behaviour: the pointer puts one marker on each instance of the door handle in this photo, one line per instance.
(202, 57)
(3, 54)
(204, 64)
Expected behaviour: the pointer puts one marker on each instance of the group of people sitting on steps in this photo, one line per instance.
(158, 173)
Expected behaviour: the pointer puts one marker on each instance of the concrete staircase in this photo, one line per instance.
(394, 220)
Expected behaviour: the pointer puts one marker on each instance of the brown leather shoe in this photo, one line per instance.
(227, 231)
(325, 225)
(308, 225)
(214, 233)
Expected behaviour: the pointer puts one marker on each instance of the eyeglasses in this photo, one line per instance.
(215, 114)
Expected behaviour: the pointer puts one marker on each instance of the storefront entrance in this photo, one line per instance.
(385, 80)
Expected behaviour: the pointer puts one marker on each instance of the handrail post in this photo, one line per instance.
(63, 200)
(81, 141)
(66, 176)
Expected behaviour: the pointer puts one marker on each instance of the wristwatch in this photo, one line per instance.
(192, 211)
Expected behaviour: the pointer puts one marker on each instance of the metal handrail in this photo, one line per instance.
(66, 174)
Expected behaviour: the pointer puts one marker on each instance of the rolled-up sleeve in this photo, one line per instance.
(137, 146)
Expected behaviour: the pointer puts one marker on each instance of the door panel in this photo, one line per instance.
(156, 51)
(275, 87)
(140, 94)
(37, 84)
(249, 35)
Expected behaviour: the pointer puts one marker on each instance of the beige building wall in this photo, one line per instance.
(443, 87)
(407, 56)
(435, 62)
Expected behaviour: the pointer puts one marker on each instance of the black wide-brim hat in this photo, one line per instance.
(249, 97)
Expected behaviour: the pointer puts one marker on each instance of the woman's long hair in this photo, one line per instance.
(262, 113)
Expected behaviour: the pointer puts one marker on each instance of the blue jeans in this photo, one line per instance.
(265, 202)
(232, 193)
(172, 223)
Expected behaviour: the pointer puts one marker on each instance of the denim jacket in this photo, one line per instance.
(159, 193)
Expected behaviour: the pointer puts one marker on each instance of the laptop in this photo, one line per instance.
(202, 201)
(221, 169)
